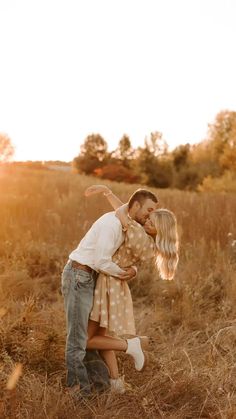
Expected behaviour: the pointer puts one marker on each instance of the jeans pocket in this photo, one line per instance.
(83, 278)
(65, 282)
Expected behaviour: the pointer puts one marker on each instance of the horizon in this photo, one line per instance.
(13, 160)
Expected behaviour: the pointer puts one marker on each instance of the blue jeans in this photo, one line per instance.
(77, 288)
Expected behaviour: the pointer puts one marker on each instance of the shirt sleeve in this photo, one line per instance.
(106, 246)
(139, 242)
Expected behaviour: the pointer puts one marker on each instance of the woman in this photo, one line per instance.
(156, 241)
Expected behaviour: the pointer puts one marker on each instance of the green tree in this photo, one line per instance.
(211, 158)
(155, 144)
(186, 174)
(6, 148)
(222, 140)
(93, 154)
(124, 151)
(180, 156)
(154, 164)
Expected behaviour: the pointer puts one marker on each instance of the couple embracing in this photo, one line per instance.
(98, 302)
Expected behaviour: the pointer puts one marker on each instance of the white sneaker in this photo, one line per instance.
(145, 342)
(117, 385)
(135, 350)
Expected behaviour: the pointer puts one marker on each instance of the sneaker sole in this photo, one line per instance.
(145, 362)
(144, 342)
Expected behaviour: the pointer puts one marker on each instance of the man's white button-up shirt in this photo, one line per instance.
(99, 245)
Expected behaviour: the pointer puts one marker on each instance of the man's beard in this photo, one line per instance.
(140, 220)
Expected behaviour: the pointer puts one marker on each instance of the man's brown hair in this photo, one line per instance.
(140, 196)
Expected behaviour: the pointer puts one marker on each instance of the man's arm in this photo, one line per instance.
(105, 248)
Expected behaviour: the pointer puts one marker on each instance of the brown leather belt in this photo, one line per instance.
(78, 265)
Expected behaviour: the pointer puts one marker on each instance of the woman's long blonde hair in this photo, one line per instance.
(167, 242)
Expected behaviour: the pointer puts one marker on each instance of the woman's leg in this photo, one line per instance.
(100, 342)
(109, 357)
(94, 330)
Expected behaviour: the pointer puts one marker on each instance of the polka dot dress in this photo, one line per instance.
(113, 306)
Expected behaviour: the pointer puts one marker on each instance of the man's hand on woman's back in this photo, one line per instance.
(130, 273)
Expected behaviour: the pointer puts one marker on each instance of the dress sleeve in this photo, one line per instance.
(106, 245)
(141, 245)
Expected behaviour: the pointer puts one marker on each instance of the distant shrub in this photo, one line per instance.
(225, 183)
(117, 173)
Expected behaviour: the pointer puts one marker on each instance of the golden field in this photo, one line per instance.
(191, 321)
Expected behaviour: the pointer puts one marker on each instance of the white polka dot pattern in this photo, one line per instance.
(113, 307)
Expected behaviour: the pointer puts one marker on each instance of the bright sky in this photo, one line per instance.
(74, 67)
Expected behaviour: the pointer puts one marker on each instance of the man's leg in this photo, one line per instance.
(97, 371)
(77, 289)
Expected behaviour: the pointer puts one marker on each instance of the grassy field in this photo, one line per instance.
(191, 320)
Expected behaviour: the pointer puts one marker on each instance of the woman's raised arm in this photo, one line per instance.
(103, 189)
(123, 215)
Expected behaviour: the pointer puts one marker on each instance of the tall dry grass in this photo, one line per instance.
(191, 320)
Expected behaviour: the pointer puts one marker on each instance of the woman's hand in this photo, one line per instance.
(95, 189)
(103, 189)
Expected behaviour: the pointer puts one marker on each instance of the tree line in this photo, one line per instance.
(191, 167)
(207, 165)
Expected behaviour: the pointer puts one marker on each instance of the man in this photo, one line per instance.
(94, 254)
